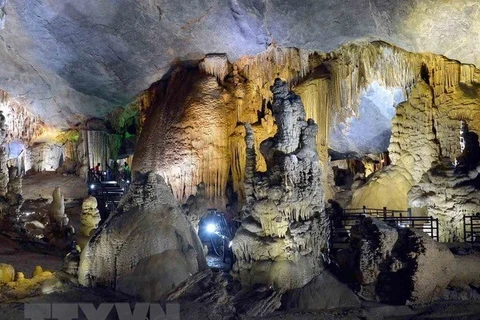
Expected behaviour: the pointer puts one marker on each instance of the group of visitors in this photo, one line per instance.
(116, 172)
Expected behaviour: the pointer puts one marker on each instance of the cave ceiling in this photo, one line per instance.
(68, 59)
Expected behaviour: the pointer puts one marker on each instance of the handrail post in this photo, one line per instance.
(364, 210)
(464, 229)
(384, 213)
(431, 228)
(471, 228)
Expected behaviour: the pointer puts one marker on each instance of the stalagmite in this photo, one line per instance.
(14, 199)
(90, 216)
(58, 218)
(285, 230)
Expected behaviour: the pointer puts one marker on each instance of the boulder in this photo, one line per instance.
(147, 247)
(323, 292)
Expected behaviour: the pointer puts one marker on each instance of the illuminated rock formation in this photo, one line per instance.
(448, 196)
(424, 131)
(145, 248)
(45, 156)
(196, 206)
(194, 115)
(341, 92)
(449, 192)
(285, 229)
(89, 220)
(413, 149)
(7, 273)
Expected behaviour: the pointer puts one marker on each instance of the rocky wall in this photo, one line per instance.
(45, 156)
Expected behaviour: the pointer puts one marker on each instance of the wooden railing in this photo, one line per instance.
(340, 231)
(471, 229)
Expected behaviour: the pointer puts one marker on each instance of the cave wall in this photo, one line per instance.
(45, 157)
(220, 96)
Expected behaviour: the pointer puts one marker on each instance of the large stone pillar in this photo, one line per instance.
(285, 229)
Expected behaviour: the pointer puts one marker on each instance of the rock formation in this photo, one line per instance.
(7, 273)
(89, 220)
(448, 195)
(285, 229)
(194, 113)
(402, 265)
(196, 206)
(13, 201)
(58, 218)
(424, 133)
(333, 88)
(449, 192)
(209, 295)
(90, 216)
(323, 292)
(145, 248)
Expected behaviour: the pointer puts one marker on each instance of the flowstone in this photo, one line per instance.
(147, 247)
(285, 229)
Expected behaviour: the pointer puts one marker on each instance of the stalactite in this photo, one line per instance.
(20, 124)
(290, 64)
(215, 65)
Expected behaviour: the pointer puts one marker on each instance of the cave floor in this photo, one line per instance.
(41, 185)
(12, 253)
(455, 310)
